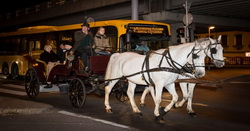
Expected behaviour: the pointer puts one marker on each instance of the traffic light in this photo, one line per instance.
(180, 34)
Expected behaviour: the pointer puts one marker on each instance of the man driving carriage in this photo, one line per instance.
(83, 44)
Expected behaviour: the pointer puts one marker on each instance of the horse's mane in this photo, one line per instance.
(202, 39)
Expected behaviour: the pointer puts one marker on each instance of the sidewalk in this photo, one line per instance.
(220, 74)
(18, 106)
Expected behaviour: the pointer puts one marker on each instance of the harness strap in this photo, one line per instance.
(167, 69)
(146, 61)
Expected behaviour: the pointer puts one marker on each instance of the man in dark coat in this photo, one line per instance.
(83, 44)
(65, 47)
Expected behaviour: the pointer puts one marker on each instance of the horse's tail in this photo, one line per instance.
(109, 67)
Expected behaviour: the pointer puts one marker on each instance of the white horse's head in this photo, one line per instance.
(215, 52)
(206, 47)
(197, 59)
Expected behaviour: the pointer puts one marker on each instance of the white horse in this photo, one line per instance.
(215, 52)
(125, 64)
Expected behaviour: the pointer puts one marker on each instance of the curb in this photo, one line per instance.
(26, 111)
(233, 78)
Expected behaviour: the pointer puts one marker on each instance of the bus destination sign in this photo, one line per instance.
(147, 30)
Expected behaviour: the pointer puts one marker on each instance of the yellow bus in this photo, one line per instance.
(123, 35)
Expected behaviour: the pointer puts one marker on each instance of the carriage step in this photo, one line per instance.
(48, 86)
(52, 89)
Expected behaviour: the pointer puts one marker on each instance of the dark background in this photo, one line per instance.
(10, 5)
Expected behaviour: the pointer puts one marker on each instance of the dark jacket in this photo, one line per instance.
(49, 57)
(79, 37)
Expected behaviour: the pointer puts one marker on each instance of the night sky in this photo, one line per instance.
(9, 5)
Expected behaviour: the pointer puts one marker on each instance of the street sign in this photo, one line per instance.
(189, 20)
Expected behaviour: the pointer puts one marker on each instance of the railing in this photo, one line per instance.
(238, 61)
(35, 8)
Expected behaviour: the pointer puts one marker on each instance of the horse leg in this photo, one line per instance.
(158, 94)
(130, 93)
(108, 89)
(185, 95)
(190, 97)
(143, 96)
(172, 91)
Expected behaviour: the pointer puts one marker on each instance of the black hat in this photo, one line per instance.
(85, 24)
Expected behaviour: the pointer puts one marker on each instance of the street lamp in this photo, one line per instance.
(210, 28)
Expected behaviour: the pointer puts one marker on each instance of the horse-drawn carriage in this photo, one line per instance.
(69, 78)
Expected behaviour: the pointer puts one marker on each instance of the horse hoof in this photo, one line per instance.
(139, 114)
(162, 111)
(109, 111)
(160, 120)
(192, 114)
(142, 105)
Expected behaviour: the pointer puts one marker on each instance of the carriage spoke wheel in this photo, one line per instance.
(77, 93)
(31, 83)
(121, 96)
(120, 91)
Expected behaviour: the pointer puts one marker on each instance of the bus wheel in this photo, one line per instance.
(14, 71)
(5, 69)
(32, 83)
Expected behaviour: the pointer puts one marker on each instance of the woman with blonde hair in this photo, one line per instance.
(49, 57)
(101, 42)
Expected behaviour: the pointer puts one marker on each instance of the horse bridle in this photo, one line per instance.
(213, 51)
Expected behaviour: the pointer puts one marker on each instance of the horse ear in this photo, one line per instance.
(219, 39)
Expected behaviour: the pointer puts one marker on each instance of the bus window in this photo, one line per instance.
(157, 36)
(38, 45)
(24, 45)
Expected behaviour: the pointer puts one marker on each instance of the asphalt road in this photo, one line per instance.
(224, 108)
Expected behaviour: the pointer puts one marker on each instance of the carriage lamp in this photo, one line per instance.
(210, 28)
(35, 64)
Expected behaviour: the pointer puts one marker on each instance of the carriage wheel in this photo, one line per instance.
(77, 93)
(122, 97)
(120, 91)
(31, 83)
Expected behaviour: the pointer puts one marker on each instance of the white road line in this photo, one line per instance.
(95, 119)
(20, 93)
(198, 104)
(14, 86)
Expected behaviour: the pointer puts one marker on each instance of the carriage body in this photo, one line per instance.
(68, 78)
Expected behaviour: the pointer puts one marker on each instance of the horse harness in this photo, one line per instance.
(184, 70)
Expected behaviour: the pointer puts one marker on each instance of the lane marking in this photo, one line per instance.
(198, 104)
(95, 119)
(13, 92)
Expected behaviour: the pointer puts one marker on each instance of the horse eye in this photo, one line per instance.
(213, 50)
(195, 56)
